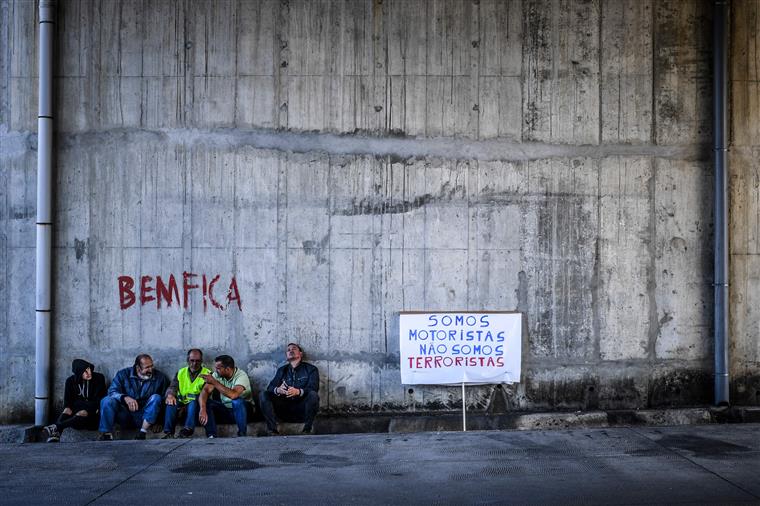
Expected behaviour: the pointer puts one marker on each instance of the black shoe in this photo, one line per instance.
(167, 435)
(105, 436)
(140, 436)
(53, 436)
(186, 432)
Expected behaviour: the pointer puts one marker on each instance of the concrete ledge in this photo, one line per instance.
(14, 433)
(440, 422)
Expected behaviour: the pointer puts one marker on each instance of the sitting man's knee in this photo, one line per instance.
(109, 402)
(264, 396)
(154, 398)
(238, 403)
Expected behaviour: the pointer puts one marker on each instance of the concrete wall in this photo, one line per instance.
(347, 160)
(744, 158)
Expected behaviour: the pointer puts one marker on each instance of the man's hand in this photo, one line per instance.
(170, 400)
(293, 392)
(67, 411)
(202, 417)
(81, 412)
(209, 379)
(282, 389)
(131, 403)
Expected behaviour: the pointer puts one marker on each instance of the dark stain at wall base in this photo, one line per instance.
(681, 388)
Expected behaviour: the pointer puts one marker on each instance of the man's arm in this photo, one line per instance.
(171, 392)
(202, 398)
(69, 392)
(232, 393)
(118, 390)
(276, 381)
(313, 382)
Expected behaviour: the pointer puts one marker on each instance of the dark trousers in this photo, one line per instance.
(295, 409)
(76, 422)
(88, 422)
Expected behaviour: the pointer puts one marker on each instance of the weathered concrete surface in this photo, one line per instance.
(347, 160)
(679, 465)
(744, 184)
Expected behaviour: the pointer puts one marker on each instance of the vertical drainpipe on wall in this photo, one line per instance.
(44, 213)
(720, 120)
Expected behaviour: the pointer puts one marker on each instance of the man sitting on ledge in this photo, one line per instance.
(182, 395)
(293, 393)
(134, 398)
(234, 388)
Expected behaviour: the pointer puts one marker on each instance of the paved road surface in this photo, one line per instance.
(708, 464)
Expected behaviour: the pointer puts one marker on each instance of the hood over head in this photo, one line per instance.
(78, 366)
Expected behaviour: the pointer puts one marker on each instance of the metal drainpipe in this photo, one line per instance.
(720, 121)
(44, 213)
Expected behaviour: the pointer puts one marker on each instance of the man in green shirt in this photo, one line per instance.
(234, 404)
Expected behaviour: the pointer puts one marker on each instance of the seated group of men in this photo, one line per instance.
(138, 394)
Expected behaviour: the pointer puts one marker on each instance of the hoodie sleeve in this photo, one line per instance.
(69, 392)
(98, 388)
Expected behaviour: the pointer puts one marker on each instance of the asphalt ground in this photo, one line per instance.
(699, 464)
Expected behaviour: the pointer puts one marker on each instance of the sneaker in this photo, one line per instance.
(105, 436)
(167, 435)
(211, 436)
(140, 436)
(186, 432)
(53, 436)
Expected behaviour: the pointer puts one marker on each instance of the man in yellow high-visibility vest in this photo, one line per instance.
(182, 395)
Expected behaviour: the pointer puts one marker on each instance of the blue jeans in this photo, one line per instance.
(170, 418)
(237, 414)
(112, 411)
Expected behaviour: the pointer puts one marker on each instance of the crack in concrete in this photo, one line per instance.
(397, 148)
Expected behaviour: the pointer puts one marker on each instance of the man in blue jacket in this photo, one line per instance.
(293, 393)
(134, 398)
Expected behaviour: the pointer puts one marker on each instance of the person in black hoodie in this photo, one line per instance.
(81, 400)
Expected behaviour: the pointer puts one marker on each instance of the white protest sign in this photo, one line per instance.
(460, 347)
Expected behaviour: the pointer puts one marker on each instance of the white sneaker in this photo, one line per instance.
(52, 432)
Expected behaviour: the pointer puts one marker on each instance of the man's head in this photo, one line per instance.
(294, 353)
(194, 359)
(144, 366)
(225, 366)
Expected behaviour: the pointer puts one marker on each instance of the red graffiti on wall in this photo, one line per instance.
(168, 291)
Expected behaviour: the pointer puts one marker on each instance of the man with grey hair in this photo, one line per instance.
(293, 393)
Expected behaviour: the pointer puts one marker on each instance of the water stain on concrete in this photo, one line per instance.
(213, 466)
(702, 446)
(299, 457)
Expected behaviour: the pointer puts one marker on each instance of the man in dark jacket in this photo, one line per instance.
(81, 400)
(134, 399)
(293, 393)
